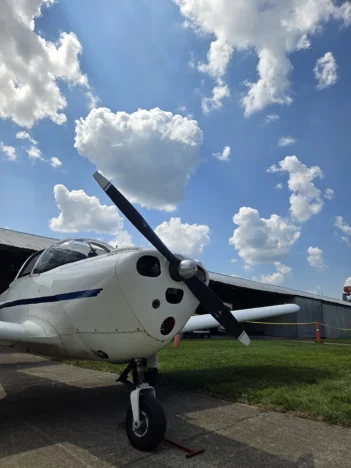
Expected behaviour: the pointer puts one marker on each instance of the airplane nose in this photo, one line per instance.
(160, 304)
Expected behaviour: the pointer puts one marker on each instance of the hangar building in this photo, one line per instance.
(16, 247)
(334, 313)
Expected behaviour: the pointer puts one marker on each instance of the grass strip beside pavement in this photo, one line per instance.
(309, 380)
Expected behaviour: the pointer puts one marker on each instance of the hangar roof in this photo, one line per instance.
(257, 285)
(23, 240)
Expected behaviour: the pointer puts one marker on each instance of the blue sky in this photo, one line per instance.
(135, 55)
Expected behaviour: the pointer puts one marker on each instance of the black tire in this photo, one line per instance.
(153, 428)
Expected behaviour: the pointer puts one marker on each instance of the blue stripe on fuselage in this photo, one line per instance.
(56, 298)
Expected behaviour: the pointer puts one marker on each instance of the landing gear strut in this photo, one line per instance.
(146, 419)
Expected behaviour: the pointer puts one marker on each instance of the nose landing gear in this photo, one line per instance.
(148, 431)
(145, 419)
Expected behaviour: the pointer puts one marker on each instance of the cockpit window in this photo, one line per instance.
(28, 266)
(70, 251)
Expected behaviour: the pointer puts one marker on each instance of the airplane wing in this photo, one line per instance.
(28, 332)
(203, 322)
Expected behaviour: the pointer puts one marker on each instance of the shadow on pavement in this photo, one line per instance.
(86, 415)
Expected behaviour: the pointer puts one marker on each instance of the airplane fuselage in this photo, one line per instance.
(101, 308)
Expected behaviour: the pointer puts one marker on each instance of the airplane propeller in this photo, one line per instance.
(180, 270)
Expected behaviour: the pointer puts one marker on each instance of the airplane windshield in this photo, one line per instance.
(70, 251)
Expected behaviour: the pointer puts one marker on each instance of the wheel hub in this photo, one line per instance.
(143, 425)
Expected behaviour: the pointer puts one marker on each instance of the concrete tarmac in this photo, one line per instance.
(54, 415)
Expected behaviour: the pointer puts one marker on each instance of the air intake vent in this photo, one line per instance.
(149, 266)
(167, 326)
(174, 295)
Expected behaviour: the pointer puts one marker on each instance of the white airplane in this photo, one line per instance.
(82, 299)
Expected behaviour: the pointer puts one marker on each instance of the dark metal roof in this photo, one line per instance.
(23, 240)
(257, 285)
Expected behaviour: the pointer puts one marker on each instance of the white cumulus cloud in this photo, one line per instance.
(274, 278)
(150, 154)
(329, 194)
(122, 240)
(285, 141)
(344, 228)
(35, 153)
(273, 29)
(315, 258)
(10, 151)
(277, 277)
(31, 66)
(25, 136)
(279, 186)
(55, 162)
(281, 268)
(325, 71)
(219, 92)
(306, 199)
(224, 156)
(93, 100)
(81, 213)
(259, 240)
(187, 239)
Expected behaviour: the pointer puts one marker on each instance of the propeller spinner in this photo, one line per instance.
(180, 270)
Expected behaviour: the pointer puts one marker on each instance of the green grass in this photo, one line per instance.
(326, 340)
(311, 380)
(338, 340)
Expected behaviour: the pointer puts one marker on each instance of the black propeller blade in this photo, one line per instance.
(214, 306)
(209, 300)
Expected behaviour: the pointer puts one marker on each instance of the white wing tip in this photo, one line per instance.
(244, 339)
